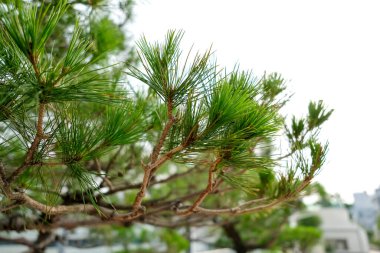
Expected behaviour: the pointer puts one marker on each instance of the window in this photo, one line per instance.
(337, 244)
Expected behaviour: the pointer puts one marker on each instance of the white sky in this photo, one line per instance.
(326, 49)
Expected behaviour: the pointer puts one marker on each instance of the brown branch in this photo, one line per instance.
(239, 210)
(33, 147)
(77, 208)
(33, 58)
(59, 209)
(9, 207)
(175, 203)
(69, 223)
(153, 164)
(95, 218)
(203, 195)
(113, 160)
(176, 223)
(234, 235)
(91, 222)
(165, 132)
(22, 241)
(167, 156)
(152, 182)
(285, 156)
(151, 202)
(44, 239)
(129, 216)
(148, 172)
(50, 164)
(2, 172)
(294, 149)
(4, 186)
(144, 185)
(119, 207)
(105, 178)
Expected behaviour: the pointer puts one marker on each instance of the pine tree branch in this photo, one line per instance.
(174, 203)
(2, 172)
(113, 160)
(168, 155)
(60, 209)
(286, 155)
(148, 172)
(177, 223)
(33, 147)
(154, 164)
(34, 61)
(106, 180)
(152, 182)
(67, 222)
(21, 241)
(89, 222)
(9, 207)
(203, 195)
(234, 235)
(4, 185)
(77, 208)
(245, 209)
(165, 132)
(239, 209)
(44, 239)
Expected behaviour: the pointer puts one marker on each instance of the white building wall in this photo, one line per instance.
(365, 210)
(339, 231)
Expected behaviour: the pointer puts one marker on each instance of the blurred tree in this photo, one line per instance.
(270, 229)
(300, 236)
(78, 147)
(250, 232)
(309, 221)
(304, 236)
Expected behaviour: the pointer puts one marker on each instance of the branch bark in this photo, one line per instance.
(230, 230)
(244, 208)
(203, 195)
(21, 241)
(33, 147)
(154, 161)
(152, 182)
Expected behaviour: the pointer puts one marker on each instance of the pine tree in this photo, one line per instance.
(79, 145)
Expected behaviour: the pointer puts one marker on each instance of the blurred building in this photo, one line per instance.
(366, 209)
(340, 234)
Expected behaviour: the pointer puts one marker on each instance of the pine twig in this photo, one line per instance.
(203, 195)
(154, 164)
(33, 147)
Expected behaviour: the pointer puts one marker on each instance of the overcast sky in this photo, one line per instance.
(326, 50)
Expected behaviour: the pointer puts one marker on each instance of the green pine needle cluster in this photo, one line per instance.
(163, 71)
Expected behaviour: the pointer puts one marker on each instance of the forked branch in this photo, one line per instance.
(33, 147)
(154, 164)
(203, 195)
